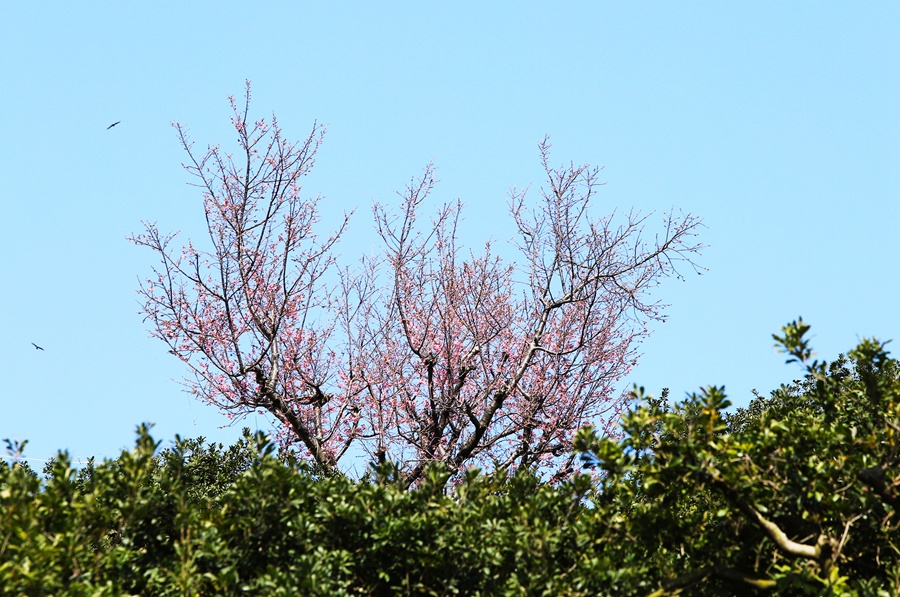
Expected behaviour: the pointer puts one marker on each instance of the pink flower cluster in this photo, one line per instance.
(428, 353)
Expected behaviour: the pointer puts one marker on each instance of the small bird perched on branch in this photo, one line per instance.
(113, 124)
(36, 346)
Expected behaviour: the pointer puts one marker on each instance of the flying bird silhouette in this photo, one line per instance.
(36, 346)
(113, 124)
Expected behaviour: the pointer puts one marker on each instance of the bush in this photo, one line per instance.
(796, 495)
(199, 520)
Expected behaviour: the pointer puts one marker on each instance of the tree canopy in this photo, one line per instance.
(425, 351)
(797, 493)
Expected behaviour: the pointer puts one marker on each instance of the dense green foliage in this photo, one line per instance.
(798, 493)
(198, 521)
(795, 495)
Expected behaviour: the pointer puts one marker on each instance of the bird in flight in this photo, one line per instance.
(36, 346)
(113, 124)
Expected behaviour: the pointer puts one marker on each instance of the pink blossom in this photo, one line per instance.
(427, 353)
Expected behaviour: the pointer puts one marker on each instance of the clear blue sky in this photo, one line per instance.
(777, 123)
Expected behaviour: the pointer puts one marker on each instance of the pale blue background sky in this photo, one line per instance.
(777, 123)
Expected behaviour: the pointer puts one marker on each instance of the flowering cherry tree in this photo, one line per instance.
(427, 353)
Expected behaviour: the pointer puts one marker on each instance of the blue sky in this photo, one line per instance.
(777, 123)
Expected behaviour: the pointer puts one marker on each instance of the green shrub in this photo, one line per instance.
(797, 494)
